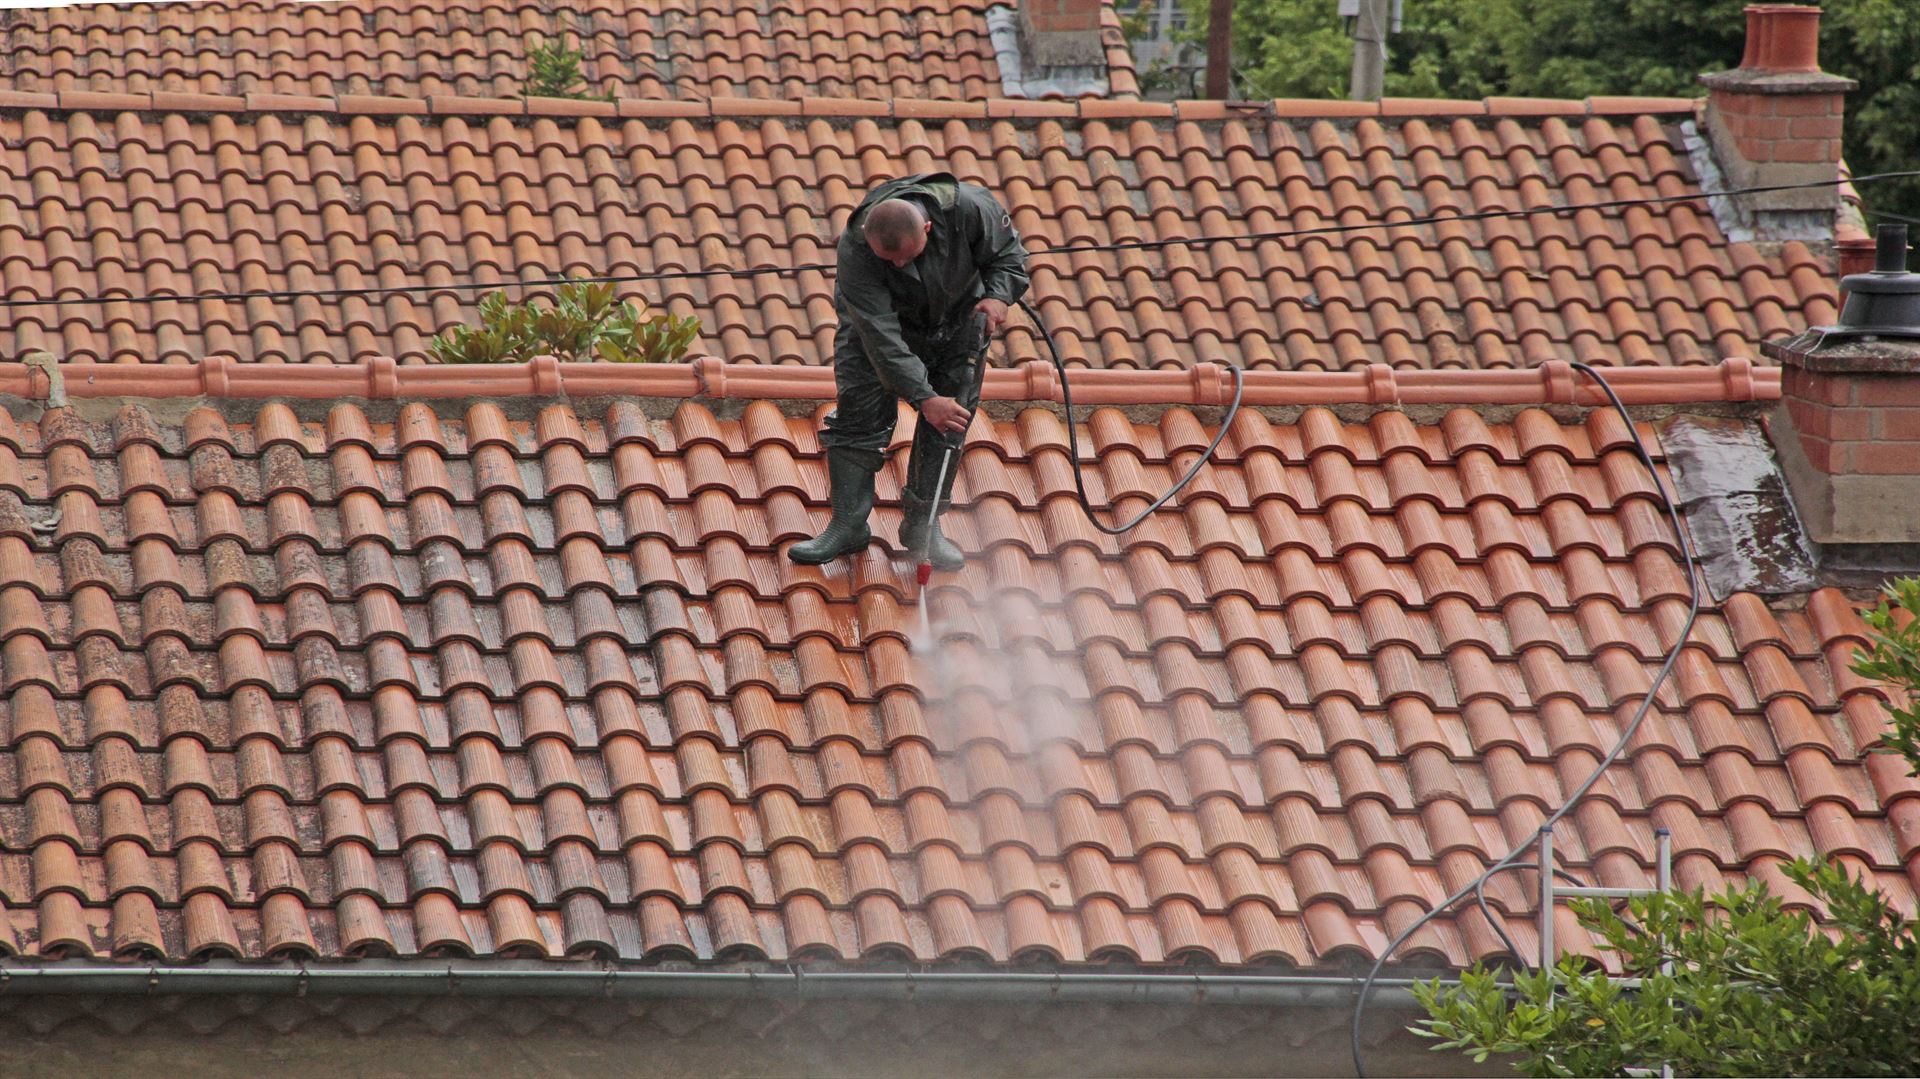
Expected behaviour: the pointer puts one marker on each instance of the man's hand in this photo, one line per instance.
(996, 312)
(945, 413)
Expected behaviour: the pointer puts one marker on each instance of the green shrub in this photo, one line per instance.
(584, 322)
(1895, 659)
(553, 70)
(1755, 989)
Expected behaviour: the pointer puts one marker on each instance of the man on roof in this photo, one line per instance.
(927, 265)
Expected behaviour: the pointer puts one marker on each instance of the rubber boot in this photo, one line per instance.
(917, 534)
(850, 473)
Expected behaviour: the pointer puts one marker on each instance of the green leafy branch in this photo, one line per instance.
(1755, 989)
(1895, 659)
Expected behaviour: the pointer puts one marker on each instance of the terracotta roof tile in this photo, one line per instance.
(459, 684)
(477, 48)
(1205, 384)
(265, 201)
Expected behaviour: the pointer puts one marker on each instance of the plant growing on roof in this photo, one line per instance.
(1755, 988)
(553, 70)
(584, 322)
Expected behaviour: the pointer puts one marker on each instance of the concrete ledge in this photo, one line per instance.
(1752, 81)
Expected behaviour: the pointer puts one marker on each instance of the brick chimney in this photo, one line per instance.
(1061, 33)
(1847, 428)
(1776, 118)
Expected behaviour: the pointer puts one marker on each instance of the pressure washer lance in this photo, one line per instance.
(923, 573)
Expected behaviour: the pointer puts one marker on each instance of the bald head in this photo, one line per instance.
(897, 231)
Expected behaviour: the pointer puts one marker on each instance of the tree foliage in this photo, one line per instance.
(1578, 48)
(553, 70)
(1895, 659)
(584, 322)
(1756, 989)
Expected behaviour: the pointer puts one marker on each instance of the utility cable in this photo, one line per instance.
(924, 571)
(1073, 438)
(1690, 563)
(277, 295)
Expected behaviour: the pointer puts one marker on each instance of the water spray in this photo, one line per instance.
(923, 572)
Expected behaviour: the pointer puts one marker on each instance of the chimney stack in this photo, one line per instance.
(1061, 33)
(1776, 119)
(1847, 428)
(1857, 255)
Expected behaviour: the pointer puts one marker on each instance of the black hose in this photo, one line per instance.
(1073, 438)
(1688, 561)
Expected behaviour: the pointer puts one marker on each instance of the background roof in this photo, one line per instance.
(477, 48)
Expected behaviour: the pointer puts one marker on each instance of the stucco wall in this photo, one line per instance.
(284, 1037)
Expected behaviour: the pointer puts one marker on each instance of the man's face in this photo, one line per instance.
(901, 256)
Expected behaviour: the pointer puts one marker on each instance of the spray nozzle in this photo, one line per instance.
(923, 574)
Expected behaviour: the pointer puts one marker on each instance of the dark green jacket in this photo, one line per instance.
(972, 253)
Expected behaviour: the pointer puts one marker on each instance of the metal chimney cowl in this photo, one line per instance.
(1879, 327)
(1886, 301)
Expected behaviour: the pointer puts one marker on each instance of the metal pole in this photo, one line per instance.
(1663, 870)
(1546, 897)
(1370, 51)
(1663, 880)
(1220, 50)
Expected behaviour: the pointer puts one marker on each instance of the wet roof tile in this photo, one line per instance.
(457, 682)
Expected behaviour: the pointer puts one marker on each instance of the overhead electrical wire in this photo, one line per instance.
(277, 295)
(1690, 562)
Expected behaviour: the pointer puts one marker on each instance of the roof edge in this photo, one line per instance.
(1205, 384)
(442, 106)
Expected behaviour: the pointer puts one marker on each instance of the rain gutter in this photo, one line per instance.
(496, 979)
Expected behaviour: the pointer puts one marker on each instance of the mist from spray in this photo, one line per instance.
(921, 641)
(995, 645)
